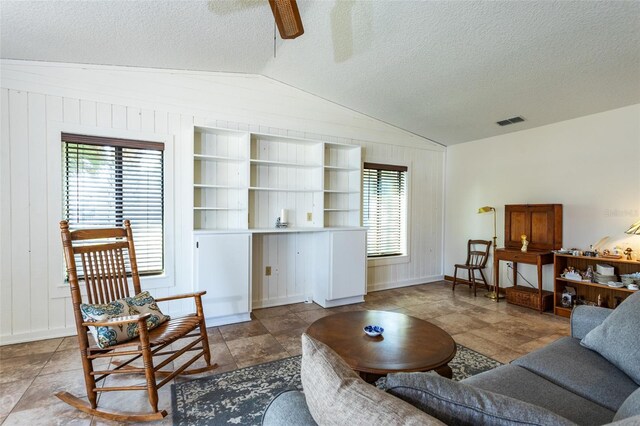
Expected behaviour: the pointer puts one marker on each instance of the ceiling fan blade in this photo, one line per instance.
(287, 18)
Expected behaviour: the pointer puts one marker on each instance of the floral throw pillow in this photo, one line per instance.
(144, 303)
(106, 336)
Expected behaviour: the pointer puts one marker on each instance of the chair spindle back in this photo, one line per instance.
(475, 256)
(102, 253)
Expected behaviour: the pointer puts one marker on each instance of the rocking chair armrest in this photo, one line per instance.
(197, 294)
(118, 320)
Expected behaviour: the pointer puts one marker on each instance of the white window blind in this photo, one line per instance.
(384, 209)
(108, 180)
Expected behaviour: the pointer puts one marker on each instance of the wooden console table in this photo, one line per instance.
(532, 257)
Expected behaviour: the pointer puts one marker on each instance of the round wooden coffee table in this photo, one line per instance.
(407, 344)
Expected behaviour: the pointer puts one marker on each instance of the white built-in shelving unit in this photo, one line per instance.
(220, 179)
(242, 182)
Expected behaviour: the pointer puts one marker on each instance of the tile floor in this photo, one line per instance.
(30, 373)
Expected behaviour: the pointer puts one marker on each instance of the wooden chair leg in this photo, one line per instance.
(469, 278)
(455, 277)
(147, 358)
(89, 379)
(473, 282)
(486, 283)
(205, 342)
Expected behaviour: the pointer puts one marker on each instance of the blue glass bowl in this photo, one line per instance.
(373, 330)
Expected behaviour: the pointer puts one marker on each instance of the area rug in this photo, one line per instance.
(240, 396)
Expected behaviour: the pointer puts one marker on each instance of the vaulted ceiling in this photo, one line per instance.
(446, 70)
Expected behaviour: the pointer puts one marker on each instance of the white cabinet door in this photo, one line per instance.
(222, 265)
(348, 263)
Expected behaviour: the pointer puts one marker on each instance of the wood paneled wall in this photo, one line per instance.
(39, 100)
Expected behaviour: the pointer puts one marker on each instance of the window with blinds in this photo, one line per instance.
(384, 209)
(108, 180)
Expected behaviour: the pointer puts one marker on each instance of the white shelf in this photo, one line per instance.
(344, 169)
(260, 188)
(341, 210)
(204, 185)
(205, 157)
(283, 164)
(217, 208)
(340, 191)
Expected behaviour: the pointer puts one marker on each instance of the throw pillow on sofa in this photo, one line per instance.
(336, 395)
(460, 404)
(618, 337)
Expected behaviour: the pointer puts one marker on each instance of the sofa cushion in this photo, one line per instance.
(289, 408)
(585, 318)
(522, 384)
(630, 407)
(336, 395)
(580, 370)
(461, 404)
(618, 337)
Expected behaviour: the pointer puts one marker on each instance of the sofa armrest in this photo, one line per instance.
(586, 318)
(288, 408)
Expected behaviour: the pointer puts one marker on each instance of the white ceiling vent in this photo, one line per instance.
(512, 120)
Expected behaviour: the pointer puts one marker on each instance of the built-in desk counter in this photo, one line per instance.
(257, 268)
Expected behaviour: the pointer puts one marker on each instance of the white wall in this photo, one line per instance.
(39, 100)
(591, 165)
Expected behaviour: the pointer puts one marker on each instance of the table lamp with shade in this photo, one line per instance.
(634, 230)
(492, 294)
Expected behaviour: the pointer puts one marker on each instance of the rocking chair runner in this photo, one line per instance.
(477, 256)
(106, 280)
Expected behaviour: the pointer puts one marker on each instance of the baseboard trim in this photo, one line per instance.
(463, 281)
(37, 335)
(287, 300)
(227, 319)
(404, 283)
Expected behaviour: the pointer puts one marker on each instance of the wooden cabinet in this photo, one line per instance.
(541, 223)
(589, 291)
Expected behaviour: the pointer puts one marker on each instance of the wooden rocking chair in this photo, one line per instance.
(105, 278)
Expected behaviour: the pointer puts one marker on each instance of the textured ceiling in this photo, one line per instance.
(446, 70)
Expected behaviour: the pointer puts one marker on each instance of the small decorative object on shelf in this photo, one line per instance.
(525, 243)
(280, 224)
(628, 252)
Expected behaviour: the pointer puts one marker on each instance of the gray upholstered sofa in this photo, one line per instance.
(563, 383)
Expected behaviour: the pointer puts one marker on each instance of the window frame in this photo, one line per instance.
(406, 256)
(58, 288)
(118, 159)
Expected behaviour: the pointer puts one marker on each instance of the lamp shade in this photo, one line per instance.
(486, 209)
(634, 230)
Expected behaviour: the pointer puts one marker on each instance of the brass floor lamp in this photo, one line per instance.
(493, 295)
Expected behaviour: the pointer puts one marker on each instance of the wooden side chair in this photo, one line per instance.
(477, 256)
(103, 255)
